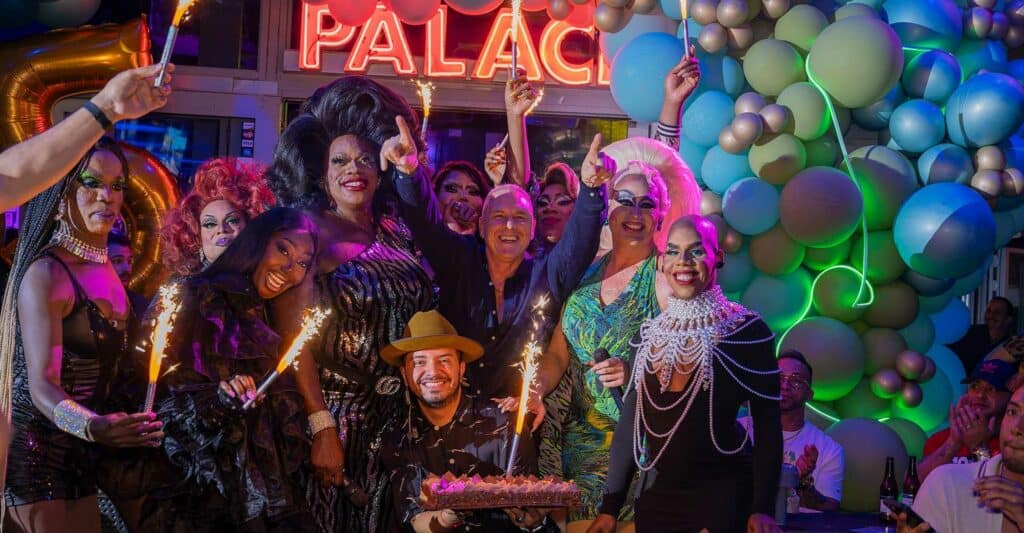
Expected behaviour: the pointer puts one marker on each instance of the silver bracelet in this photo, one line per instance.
(320, 421)
(72, 417)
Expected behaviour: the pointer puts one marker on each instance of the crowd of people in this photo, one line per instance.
(434, 282)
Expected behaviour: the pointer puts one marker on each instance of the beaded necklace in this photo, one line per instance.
(685, 338)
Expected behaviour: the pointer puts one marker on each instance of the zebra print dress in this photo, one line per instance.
(371, 297)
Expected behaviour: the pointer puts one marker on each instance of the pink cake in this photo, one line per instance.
(493, 492)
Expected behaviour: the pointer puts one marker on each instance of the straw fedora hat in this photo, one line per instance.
(427, 330)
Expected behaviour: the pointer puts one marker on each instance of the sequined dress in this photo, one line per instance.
(371, 297)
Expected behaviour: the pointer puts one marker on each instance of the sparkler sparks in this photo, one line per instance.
(169, 305)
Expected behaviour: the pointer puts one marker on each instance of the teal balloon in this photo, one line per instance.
(931, 24)
(876, 116)
(951, 322)
(934, 407)
(862, 402)
(693, 154)
(737, 272)
(611, 43)
(834, 351)
(920, 334)
(985, 110)
(721, 169)
(947, 362)
(720, 72)
(911, 434)
(971, 281)
(945, 163)
(751, 206)
(864, 464)
(945, 230)
(1006, 228)
(934, 304)
(917, 125)
(672, 9)
(977, 55)
(781, 300)
(706, 115)
(933, 75)
(638, 74)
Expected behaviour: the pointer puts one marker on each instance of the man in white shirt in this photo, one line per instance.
(817, 457)
(979, 497)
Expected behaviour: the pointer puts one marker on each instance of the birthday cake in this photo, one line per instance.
(493, 492)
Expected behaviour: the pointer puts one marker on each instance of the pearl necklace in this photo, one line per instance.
(685, 339)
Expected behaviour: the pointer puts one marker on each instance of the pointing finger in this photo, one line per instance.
(403, 130)
(595, 145)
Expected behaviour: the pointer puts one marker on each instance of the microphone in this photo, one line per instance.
(601, 355)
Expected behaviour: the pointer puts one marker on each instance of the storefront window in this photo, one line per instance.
(217, 33)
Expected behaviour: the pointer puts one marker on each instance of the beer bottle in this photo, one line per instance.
(888, 490)
(910, 483)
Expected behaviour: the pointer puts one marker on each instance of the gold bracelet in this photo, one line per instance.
(72, 417)
(320, 421)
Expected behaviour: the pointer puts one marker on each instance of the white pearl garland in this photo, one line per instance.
(685, 339)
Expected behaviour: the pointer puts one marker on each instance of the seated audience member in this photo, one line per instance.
(980, 339)
(982, 497)
(973, 420)
(448, 431)
(817, 457)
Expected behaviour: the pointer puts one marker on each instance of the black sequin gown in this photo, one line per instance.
(371, 297)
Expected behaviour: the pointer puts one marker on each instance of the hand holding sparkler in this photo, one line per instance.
(682, 80)
(169, 305)
(521, 98)
(172, 35)
(310, 326)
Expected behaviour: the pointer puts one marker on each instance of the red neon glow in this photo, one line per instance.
(551, 54)
(604, 71)
(370, 46)
(435, 64)
(320, 30)
(497, 53)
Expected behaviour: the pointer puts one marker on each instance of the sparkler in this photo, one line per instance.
(686, 29)
(426, 92)
(172, 35)
(169, 305)
(528, 367)
(517, 15)
(310, 326)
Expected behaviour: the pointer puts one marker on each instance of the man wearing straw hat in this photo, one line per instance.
(449, 431)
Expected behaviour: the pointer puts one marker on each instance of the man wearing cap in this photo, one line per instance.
(974, 419)
(449, 431)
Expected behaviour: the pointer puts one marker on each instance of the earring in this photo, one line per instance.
(203, 261)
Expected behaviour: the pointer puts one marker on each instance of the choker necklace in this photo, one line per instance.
(685, 339)
(77, 247)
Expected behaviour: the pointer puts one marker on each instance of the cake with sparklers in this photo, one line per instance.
(496, 492)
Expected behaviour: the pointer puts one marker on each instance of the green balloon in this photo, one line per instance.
(884, 262)
(771, 65)
(920, 334)
(881, 346)
(835, 292)
(887, 178)
(857, 60)
(822, 152)
(834, 351)
(777, 158)
(895, 306)
(811, 118)
(859, 326)
(912, 435)
(855, 10)
(934, 304)
(781, 300)
(775, 253)
(800, 26)
(863, 403)
(822, 258)
(866, 443)
(934, 407)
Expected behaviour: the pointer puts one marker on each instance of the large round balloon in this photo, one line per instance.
(834, 351)
(781, 300)
(884, 263)
(693, 154)
(881, 346)
(822, 258)
(932, 24)
(611, 43)
(857, 60)
(945, 163)
(356, 12)
(933, 75)
(920, 334)
(952, 322)
(934, 304)
(926, 286)
(875, 116)
(917, 125)
(415, 12)
(810, 114)
(820, 206)
(800, 26)
(886, 179)
(865, 464)
(911, 434)
(777, 158)
(986, 109)
(721, 73)
(950, 365)
(751, 206)
(835, 293)
(775, 253)
(945, 230)
(706, 115)
(638, 74)
(895, 306)
(861, 402)
(720, 169)
(65, 13)
(471, 7)
(932, 411)
(980, 55)
(737, 272)
(771, 65)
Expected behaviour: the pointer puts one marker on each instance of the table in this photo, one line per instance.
(836, 521)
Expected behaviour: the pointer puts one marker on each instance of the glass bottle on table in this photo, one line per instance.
(911, 483)
(888, 490)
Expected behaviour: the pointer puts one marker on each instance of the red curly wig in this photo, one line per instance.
(223, 178)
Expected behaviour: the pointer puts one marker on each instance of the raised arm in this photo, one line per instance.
(30, 167)
(679, 85)
(520, 98)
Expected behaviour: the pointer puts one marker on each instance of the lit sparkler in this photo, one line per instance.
(528, 367)
(426, 92)
(310, 326)
(686, 29)
(172, 35)
(169, 305)
(517, 16)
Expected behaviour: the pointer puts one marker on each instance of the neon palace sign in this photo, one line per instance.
(382, 39)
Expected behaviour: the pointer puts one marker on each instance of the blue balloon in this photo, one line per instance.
(926, 286)
(1006, 228)
(693, 154)
(737, 272)
(672, 9)
(876, 116)
(933, 75)
(985, 110)
(951, 322)
(931, 24)
(947, 361)
(945, 163)
(917, 125)
(705, 116)
(1015, 68)
(638, 74)
(968, 283)
(976, 55)
(720, 72)
(1013, 149)
(721, 169)
(751, 206)
(945, 230)
(611, 43)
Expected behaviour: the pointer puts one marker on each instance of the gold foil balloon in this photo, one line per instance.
(740, 37)
(611, 19)
(911, 394)
(886, 383)
(731, 13)
(713, 38)
(152, 190)
(910, 364)
(710, 203)
(988, 182)
(559, 9)
(747, 127)
(929, 370)
(776, 8)
(749, 103)
(644, 7)
(42, 69)
(730, 143)
(1014, 36)
(777, 118)
(704, 12)
(1013, 182)
(989, 158)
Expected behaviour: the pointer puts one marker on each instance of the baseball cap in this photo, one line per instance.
(994, 371)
